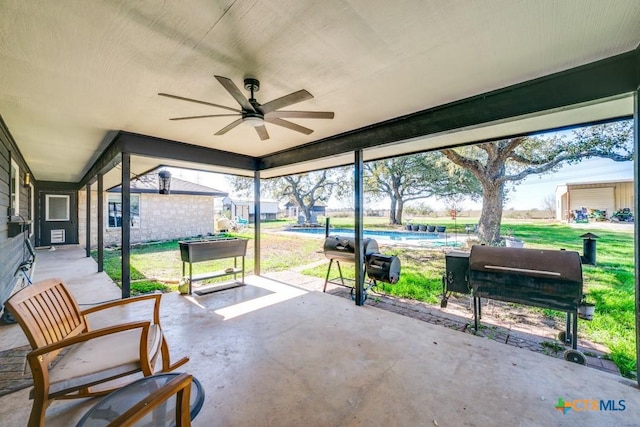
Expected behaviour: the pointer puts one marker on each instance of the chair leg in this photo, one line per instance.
(166, 358)
(38, 412)
(40, 397)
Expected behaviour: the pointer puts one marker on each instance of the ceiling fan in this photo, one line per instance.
(255, 114)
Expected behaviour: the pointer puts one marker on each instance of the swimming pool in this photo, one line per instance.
(421, 238)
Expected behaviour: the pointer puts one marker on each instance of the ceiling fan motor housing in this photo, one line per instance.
(252, 85)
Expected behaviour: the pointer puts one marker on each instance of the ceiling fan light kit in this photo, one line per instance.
(255, 114)
(253, 120)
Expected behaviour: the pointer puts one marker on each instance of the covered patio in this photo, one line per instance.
(84, 108)
(273, 354)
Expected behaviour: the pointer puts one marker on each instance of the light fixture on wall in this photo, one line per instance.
(27, 179)
(164, 181)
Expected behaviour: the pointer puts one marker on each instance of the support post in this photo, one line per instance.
(88, 221)
(126, 225)
(636, 211)
(100, 223)
(359, 228)
(256, 223)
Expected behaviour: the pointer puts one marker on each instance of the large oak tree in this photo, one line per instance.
(414, 177)
(508, 161)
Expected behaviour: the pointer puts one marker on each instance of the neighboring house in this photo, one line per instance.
(604, 195)
(244, 208)
(293, 210)
(186, 211)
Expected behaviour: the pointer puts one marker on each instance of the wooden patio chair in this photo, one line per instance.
(52, 321)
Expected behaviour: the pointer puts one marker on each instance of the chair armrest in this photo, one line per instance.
(181, 386)
(123, 302)
(86, 336)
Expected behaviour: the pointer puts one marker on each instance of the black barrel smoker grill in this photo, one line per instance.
(542, 278)
(379, 267)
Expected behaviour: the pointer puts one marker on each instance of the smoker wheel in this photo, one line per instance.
(562, 336)
(443, 303)
(575, 356)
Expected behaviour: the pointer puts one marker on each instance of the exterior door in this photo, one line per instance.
(58, 218)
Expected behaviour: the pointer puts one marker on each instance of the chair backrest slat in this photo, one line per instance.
(34, 307)
(47, 311)
(70, 321)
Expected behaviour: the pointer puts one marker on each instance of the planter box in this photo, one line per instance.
(207, 250)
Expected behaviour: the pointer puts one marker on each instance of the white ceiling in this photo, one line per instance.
(72, 71)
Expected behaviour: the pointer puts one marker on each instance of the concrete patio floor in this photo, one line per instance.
(274, 354)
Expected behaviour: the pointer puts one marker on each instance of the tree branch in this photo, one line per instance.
(474, 166)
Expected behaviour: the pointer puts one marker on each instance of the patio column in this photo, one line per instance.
(88, 220)
(256, 223)
(126, 226)
(636, 210)
(100, 223)
(358, 203)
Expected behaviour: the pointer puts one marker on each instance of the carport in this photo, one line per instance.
(80, 105)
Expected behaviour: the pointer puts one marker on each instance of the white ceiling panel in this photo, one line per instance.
(72, 71)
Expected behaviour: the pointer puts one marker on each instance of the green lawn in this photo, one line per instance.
(157, 266)
(610, 284)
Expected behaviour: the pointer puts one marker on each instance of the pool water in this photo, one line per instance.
(436, 239)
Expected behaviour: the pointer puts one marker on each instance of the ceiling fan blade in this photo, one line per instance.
(181, 98)
(231, 87)
(285, 101)
(204, 117)
(228, 127)
(302, 114)
(288, 125)
(262, 132)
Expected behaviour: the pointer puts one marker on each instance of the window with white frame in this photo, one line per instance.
(114, 210)
(15, 188)
(57, 207)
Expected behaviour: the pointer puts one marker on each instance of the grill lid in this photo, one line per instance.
(343, 248)
(547, 264)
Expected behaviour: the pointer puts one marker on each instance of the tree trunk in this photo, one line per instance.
(307, 213)
(491, 217)
(392, 211)
(399, 210)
